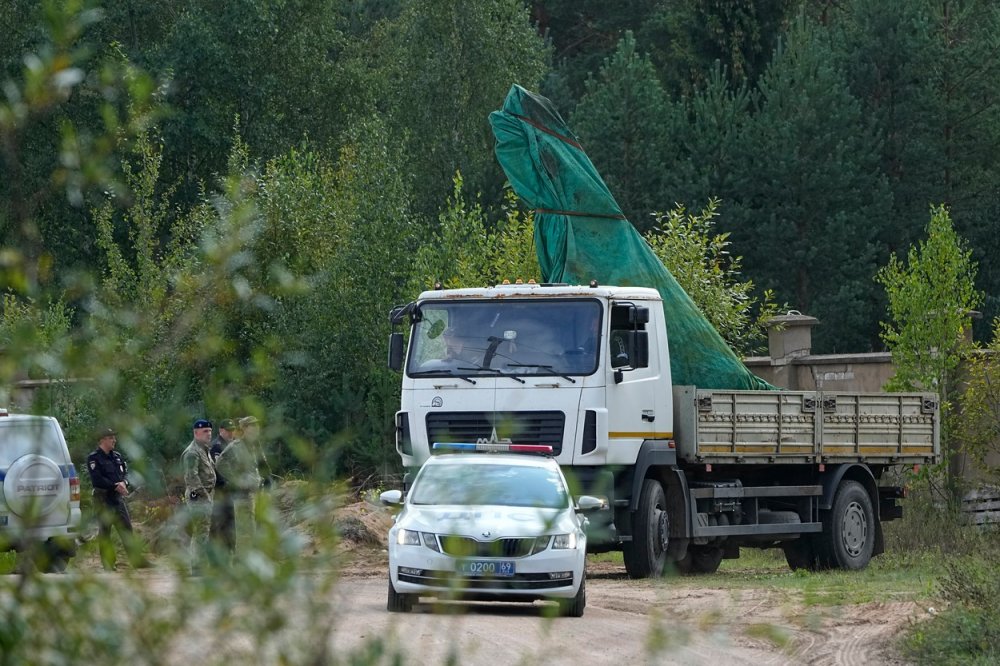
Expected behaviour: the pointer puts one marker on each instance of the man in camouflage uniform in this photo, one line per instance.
(199, 486)
(223, 530)
(239, 463)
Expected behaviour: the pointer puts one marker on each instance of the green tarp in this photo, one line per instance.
(582, 235)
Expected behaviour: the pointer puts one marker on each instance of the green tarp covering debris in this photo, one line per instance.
(582, 235)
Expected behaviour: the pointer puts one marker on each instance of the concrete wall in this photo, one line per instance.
(792, 365)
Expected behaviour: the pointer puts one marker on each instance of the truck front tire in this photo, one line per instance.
(646, 554)
(848, 537)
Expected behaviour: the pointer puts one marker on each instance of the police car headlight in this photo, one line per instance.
(408, 538)
(564, 541)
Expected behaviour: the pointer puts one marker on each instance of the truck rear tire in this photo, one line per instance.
(646, 555)
(701, 560)
(848, 536)
(801, 553)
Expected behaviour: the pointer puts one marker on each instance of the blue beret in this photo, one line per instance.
(202, 423)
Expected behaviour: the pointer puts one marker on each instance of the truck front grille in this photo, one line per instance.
(518, 427)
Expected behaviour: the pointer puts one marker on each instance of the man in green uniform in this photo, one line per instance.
(199, 486)
(239, 464)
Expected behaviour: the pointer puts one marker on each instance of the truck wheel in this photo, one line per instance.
(705, 559)
(848, 536)
(801, 554)
(398, 603)
(646, 555)
(700, 560)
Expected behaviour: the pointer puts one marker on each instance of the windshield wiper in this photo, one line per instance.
(442, 371)
(499, 372)
(543, 367)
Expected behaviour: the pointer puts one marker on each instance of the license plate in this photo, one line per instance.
(486, 568)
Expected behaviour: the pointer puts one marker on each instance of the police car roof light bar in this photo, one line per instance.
(491, 447)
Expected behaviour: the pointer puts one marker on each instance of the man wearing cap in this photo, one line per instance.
(223, 529)
(108, 471)
(199, 487)
(239, 463)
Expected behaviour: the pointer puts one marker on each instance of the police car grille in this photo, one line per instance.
(459, 546)
(519, 427)
(449, 579)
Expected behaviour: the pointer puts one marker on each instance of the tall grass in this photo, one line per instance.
(966, 628)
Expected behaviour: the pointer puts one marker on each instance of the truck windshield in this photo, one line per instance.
(521, 337)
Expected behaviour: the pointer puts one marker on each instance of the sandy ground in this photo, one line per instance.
(678, 620)
(686, 620)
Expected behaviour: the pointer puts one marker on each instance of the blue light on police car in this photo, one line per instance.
(491, 447)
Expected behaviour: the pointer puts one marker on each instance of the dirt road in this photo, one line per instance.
(684, 621)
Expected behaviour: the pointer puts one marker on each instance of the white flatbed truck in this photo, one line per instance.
(690, 475)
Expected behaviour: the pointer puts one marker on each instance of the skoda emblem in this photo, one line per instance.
(487, 534)
(436, 401)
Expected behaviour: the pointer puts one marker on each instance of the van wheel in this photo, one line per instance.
(848, 537)
(398, 603)
(646, 554)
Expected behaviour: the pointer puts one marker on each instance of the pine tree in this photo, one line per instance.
(621, 123)
(808, 194)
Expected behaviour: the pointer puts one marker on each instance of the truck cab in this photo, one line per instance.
(532, 363)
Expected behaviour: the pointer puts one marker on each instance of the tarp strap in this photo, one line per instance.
(575, 213)
(535, 123)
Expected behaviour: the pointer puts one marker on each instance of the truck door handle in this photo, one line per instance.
(648, 415)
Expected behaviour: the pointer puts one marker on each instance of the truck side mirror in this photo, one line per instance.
(638, 316)
(629, 349)
(396, 351)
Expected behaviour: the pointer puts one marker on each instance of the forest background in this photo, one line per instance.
(208, 209)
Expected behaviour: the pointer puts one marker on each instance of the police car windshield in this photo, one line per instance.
(510, 336)
(467, 484)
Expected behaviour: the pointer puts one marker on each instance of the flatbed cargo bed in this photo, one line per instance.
(797, 427)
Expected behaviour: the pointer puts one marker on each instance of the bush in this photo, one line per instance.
(968, 631)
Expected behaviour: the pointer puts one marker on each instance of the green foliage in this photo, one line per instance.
(927, 73)
(62, 101)
(622, 121)
(805, 192)
(440, 67)
(700, 261)
(930, 298)
(967, 631)
(978, 428)
(469, 251)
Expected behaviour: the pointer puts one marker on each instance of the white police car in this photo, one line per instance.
(39, 491)
(489, 527)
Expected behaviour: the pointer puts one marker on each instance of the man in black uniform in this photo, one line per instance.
(108, 472)
(223, 530)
